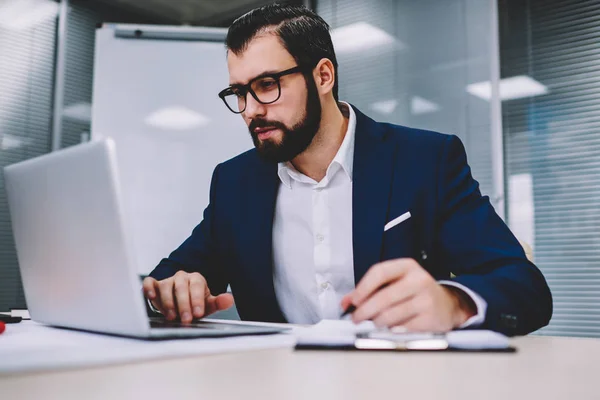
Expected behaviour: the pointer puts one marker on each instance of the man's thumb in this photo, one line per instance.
(224, 301)
(218, 303)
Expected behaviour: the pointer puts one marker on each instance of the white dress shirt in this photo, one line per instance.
(312, 240)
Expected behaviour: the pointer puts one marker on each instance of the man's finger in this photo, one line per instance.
(166, 298)
(377, 276)
(182, 296)
(423, 323)
(398, 314)
(149, 287)
(392, 295)
(346, 301)
(157, 304)
(198, 292)
(154, 288)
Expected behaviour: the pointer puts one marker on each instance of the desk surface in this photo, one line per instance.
(543, 368)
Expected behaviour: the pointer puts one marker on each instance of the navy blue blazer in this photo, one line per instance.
(453, 228)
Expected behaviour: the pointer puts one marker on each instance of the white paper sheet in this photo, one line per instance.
(333, 332)
(343, 333)
(477, 340)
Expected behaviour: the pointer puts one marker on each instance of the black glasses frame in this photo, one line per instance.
(247, 88)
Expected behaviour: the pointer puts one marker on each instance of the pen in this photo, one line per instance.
(349, 310)
(7, 319)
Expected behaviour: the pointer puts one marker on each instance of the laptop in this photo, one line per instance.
(74, 250)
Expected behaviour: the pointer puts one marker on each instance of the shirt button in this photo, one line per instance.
(324, 285)
(320, 237)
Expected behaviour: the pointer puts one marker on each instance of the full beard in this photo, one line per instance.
(296, 139)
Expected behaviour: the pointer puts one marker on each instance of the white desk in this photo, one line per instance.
(32, 347)
(543, 368)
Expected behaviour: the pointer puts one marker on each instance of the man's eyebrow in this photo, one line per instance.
(262, 75)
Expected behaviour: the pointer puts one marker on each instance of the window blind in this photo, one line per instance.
(26, 83)
(416, 65)
(553, 141)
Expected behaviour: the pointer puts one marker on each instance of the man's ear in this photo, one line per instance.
(324, 74)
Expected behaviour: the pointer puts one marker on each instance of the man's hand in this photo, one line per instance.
(186, 295)
(401, 293)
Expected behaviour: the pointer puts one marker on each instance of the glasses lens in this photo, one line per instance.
(266, 89)
(235, 101)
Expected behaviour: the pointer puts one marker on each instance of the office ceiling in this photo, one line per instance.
(192, 12)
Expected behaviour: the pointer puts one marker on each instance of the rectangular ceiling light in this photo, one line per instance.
(9, 142)
(177, 118)
(361, 36)
(385, 106)
(24, 14)
(81, 112)
(516, 87)
(419, 105)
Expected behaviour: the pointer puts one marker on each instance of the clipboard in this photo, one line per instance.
(470, 341)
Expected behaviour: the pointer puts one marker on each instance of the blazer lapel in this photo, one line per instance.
(371, 186)
(260, 200)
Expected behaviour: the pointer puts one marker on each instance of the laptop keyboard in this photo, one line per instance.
(163, 323)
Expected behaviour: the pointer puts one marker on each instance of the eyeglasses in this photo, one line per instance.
(265, 88)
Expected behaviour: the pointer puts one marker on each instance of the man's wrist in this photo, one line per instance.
(463, 306)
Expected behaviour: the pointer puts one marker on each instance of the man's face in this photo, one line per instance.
(281, 130)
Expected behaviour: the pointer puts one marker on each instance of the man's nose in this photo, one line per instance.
(253, 108)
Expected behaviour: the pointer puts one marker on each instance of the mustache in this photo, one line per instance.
(263, 123)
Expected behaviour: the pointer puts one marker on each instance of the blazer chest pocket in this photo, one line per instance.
(400, 238)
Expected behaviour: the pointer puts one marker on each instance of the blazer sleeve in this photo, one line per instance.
(477, 246)
(199, 252)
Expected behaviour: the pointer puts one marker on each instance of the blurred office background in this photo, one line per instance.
(517, 80)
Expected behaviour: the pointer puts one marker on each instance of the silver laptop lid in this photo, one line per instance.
(68, 226)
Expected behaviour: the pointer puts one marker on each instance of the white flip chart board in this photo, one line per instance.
(155, 94)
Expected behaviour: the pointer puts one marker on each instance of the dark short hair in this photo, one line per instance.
(303, 33)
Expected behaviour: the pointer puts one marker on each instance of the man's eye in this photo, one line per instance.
(267, 84)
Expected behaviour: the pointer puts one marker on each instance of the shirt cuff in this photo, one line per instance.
(154, 309)
(480, 303)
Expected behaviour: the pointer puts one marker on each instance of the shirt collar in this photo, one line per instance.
(344, 156)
